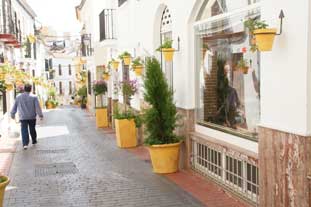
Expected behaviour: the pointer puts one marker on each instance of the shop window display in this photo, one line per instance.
(229, 83)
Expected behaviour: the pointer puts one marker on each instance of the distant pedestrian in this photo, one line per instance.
(28, 108)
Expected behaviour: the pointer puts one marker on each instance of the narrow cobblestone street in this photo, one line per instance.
(75, 164)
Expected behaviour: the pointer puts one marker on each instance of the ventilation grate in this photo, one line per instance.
(55, 169)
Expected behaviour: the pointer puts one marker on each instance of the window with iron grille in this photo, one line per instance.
(33, 73)
(59, 69)
(239, 175)
(70, 88)
(107, 24)
(89, 84)
(121, 2)
(86, 45)
(60, 87)
(46, 65)
(28, 49)
(69, 69)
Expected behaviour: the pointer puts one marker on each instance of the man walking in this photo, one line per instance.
(28, 108)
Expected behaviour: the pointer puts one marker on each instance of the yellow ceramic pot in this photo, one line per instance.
(138, 70)
(127, 60)
(2, 76)
(2, 188)
(165, 157)
(126, 133)
(106, 77)
(49, 105)
(168, 54)
(101, 117)
(9, 87)
(264, 39)
(115, 65)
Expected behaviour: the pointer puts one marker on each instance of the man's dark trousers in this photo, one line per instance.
(32, 128)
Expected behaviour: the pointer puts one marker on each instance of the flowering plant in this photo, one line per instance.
(129, 88)
(99, 87)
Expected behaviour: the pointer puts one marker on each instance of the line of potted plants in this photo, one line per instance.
(126, 120)
(160, 120)
(100, 88)
(82, 93)
(4, 181)
(138, 66)
(126, 57)
(167, 49)
(261, 36)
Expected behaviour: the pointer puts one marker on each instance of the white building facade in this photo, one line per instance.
(256, 150)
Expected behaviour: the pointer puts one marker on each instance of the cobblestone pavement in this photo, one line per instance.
(75, 164)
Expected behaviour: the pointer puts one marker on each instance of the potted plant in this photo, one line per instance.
(100, 88)
(114, 64)
(167, 50)
(138, 67)
(126, 57)
(106, 75)
(4, 181)
(243, 65)
(263, 36)
(51, 103)
(160, 120)
(125, 120)
(82, 92)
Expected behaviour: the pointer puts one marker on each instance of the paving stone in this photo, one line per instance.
(105, 176)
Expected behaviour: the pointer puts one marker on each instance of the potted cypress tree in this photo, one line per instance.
(160, 120)
(82, 92)
(100, 88)
(4, 181)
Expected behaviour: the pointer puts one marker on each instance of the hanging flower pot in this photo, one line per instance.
(264, 39)
(126, 57)
(2, 75)
(138, 69)
(127, 60)
(115, 64)
(106, 76)
(168, 54)
(243, 66)
(244, 70)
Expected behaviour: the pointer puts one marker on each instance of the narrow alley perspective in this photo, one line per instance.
(155, 103)
(74, 164)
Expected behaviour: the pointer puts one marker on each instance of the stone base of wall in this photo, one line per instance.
(284, 166)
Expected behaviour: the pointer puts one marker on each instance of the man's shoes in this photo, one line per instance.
(34, 143)
(25, 147)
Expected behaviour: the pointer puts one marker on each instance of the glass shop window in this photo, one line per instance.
(228, 79)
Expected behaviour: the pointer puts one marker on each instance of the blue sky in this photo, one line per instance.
(60, 14)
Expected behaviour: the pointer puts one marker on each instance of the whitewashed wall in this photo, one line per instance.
(285, 77)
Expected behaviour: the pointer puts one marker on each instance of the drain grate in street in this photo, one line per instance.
(55, 169)
(52, 151)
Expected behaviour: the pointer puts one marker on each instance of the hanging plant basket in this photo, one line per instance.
(2, 75)
(138, 69)
(244, 70)
(115, 65)
(106, 77)
(168, 54)
(264, 39)
(127, 60)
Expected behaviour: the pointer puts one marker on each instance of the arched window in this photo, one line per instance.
(228, 70)
(166, 34)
